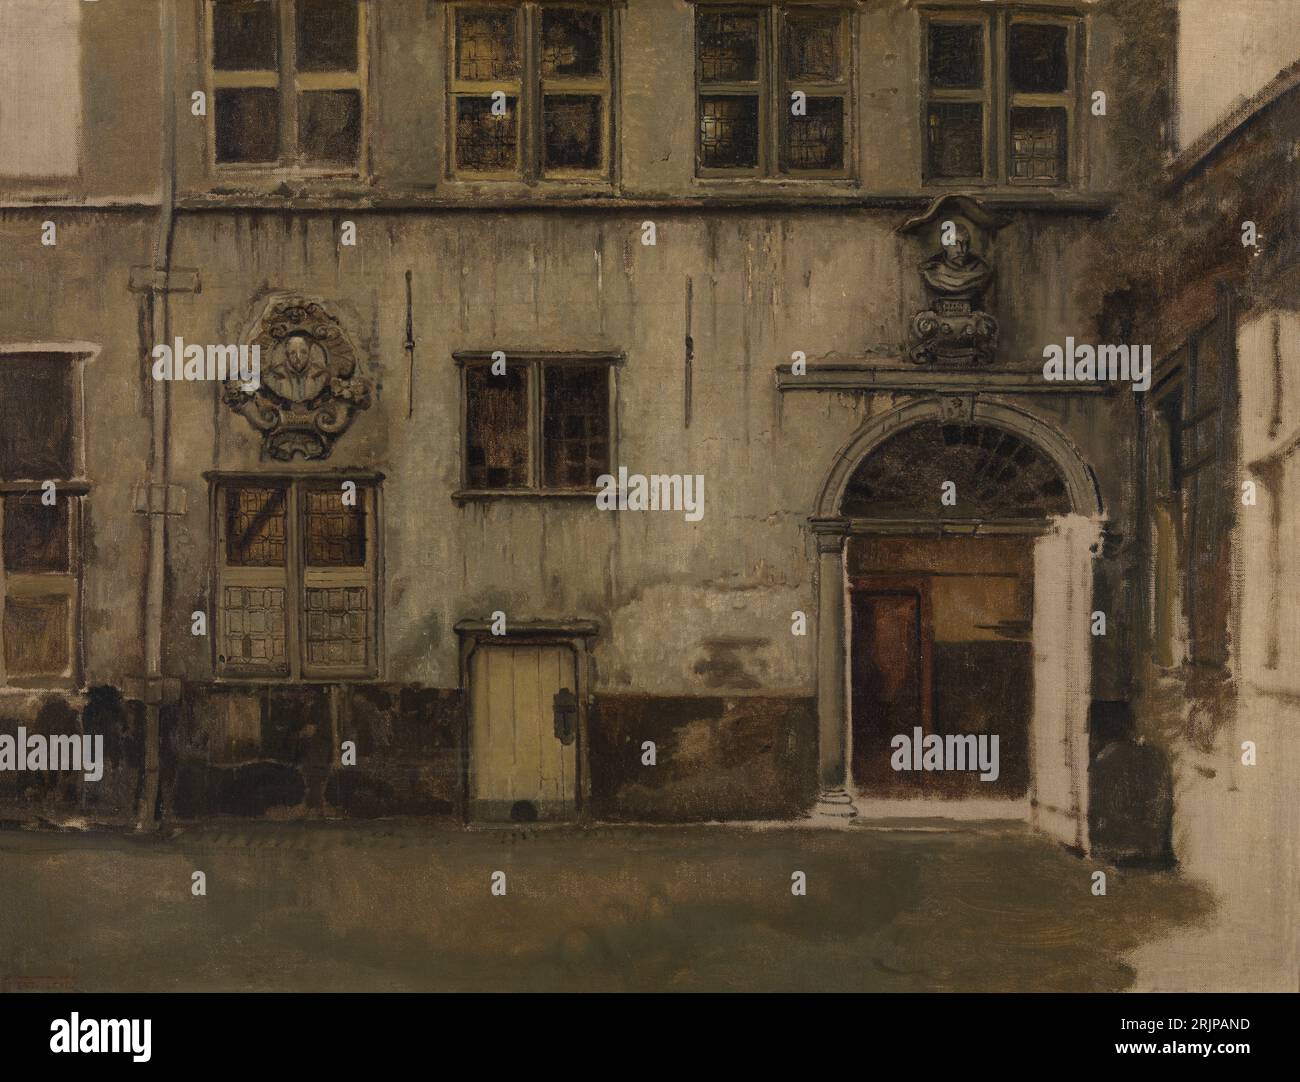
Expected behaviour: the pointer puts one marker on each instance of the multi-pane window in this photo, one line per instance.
(1000, 98)
(774, 91)
(542, 425)
(296, 585)
(531, 91)
(40, 519)
(289, 83)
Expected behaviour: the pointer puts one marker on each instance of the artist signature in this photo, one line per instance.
(11, 982)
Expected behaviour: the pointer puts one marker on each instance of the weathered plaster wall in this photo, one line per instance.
(671, 595)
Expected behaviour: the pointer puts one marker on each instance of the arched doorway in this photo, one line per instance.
(955, 564)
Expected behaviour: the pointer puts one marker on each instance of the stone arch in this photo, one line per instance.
(1067, 543)
(1080, 483)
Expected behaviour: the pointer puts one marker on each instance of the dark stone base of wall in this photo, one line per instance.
(256, 751)
(60, 796)
(274, 751)
(716, 758)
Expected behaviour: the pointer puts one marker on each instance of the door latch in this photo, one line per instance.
(566, 716)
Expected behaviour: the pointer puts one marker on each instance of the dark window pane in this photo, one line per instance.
(956, 138)
(248, 125)
(816, 140)
(729, 132)
(575, 432)
(36, 636)
(245, 34)
(35, 535)
(255, 527)
(336, 532)
(572, 125)
(1039, 59)
(486, 140)
(35, 419)
(486, 48)
(1038, 145)
(327, 35)
(728, 44)
(496, 437)
(956, 55)
(329, 125)
(813, 48)
(572, 42)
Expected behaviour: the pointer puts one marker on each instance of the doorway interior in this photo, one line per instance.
(940, 635)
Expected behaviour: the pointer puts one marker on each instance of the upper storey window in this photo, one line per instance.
(289, 83)
(1001, 99)
(531, 87)
(773, 87)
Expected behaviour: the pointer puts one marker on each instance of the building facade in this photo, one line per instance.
(794, 264)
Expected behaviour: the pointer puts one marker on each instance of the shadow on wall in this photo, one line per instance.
(1130, 790)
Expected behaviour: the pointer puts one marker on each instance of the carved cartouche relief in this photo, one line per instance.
(308, 389)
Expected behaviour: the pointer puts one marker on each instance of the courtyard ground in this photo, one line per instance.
(409, 906)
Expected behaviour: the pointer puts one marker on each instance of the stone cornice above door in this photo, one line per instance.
(900, 376)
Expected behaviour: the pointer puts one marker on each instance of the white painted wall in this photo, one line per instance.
(1226, 52)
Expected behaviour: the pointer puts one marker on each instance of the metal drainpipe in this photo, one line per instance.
(159, 468)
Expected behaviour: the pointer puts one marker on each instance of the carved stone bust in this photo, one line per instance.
(954, 328)
(957, 273)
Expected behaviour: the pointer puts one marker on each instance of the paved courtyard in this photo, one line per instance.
(407, 906)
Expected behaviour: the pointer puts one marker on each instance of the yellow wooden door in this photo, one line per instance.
(519, 768)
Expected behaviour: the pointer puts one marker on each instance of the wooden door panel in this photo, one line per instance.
(889, 678)
(519, 769)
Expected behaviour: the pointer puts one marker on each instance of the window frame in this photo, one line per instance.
(536, 363)
(999, 99)
(773, 88)
(530, 91)
(75, 489)
(297, 577)
(289, 84)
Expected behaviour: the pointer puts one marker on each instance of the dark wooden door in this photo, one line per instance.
(890, 677)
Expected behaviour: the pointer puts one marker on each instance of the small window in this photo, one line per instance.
(297, 592)
(36, 419)
(543, 425)
(575, 424)
(496, 451)
(531, 91)
(289, 83)
(959, 103)
(40, 520)
(785, 61)
(1033, 107)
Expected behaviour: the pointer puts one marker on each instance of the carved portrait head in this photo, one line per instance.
(298, 369)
